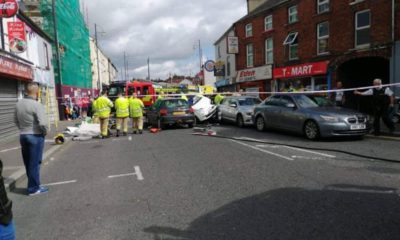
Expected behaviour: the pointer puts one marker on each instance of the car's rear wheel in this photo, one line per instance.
(240, 121)
(311, 130)
(260, 123)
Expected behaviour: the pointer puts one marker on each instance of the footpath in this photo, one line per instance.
(10, 154)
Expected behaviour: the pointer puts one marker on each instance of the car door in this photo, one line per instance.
(231, 111)
(222, 109)
(288, 114)
(270, 111)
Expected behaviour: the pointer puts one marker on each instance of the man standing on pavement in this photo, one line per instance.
(122, 114)
(103, 107)
(136, 111)
(30, 118)
(7, 229)
(382, 100)
(339, 95)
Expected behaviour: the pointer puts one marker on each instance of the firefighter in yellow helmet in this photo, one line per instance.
(136, 112)
(122, 114)
(103, 107)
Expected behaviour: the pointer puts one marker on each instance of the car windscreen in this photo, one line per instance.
(322, 101)
(113, 91)
(175, 103)
(304, 101)
(248, 101)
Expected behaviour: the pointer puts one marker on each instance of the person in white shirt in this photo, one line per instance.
(339, 95)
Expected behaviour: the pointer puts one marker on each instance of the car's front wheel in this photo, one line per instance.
(260, 123)
(240, 121)
(311, 130)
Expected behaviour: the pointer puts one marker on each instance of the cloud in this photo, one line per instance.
(164, 30)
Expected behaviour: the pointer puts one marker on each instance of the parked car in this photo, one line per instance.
(299, 113)
(238, 110)
(170, 111)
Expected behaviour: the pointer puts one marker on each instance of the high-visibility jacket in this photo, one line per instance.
(160, 97)
(136, 107)
(94, 110)
(103, 107)
(184, 97)
(218, 99)
(122, 107)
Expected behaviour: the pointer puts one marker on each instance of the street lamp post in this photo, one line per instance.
(99, 85)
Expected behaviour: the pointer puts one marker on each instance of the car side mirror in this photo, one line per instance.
(233, 105)
(290, 105)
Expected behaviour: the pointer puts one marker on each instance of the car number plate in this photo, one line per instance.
(178, 113)
(358, 126)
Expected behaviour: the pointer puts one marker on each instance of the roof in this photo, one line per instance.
(262, 8)
(223, 35)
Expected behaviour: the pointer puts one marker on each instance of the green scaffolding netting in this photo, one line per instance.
(73, 37)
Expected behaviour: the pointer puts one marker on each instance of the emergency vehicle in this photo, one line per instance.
(145, 91)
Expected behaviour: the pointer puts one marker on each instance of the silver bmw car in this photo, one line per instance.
(299, 113)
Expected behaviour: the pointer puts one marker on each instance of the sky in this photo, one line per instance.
(166, 31)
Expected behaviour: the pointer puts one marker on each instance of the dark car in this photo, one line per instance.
(170, 111)
(299, 113)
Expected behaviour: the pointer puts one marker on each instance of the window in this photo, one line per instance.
(322, 37)
(362, 28)
(249, 30)
(293, 51)
(249, 54)
(228, 67)
(293, 14)
(219, 51)
(268, 23)
(269, 51)
(46, 55)
(322, 6)
(291, 37)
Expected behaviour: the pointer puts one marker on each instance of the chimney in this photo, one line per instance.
(253, 4)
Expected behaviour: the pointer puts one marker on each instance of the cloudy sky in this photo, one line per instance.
(167, 31)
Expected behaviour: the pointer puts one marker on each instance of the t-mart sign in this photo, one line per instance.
(254, 74)
(303, 70)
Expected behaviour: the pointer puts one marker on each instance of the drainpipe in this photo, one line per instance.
(394, 58)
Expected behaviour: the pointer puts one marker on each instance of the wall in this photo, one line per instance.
(225, 57)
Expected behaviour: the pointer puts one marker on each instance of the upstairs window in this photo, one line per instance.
(322, 6)
(293, 17)
(362, 28)
(268, 23)
(249, 55)
(269, 51)
(249, 30)
(322, 37)
(291, 41)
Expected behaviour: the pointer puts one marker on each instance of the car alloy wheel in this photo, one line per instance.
(395, 119)
(311, 130)
(260, 123)
(240, 121)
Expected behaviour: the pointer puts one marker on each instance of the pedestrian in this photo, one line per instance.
(136, 112)
(338, 95)
(31, 119)
(382, 101)
(7, 229)
(122, 114)
(103, 109)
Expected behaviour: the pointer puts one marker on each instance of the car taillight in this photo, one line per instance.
(191, 110)
(163, 112)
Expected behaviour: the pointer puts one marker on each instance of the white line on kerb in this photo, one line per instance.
(60, 183)
(263, 150)
(137, 172)
(299, 149)
(10, 149)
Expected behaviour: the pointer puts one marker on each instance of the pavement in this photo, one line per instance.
(10, 154)
(173, 185)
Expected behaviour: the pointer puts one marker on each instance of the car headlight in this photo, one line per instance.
(329, 118)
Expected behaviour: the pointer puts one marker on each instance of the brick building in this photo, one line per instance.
(312, 44)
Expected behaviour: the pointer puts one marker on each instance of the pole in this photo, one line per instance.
(58, 59)
(99, 85)
(125, 67)
(200, 56)
(148, 68)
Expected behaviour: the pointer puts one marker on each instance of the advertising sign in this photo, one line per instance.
(16, 69)
(303, 70)
(233, 45)
(16, 36)
(254, 74)
(219, 69)
(8, 8)
(209, 66)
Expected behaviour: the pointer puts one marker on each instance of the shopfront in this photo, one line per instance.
(304, 77)
(255, 80)
(11, 74)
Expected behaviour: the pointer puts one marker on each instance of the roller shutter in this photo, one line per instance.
(8, 99)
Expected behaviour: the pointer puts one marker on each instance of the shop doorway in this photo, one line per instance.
(361, 72)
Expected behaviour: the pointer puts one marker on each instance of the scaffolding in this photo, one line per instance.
(73, 38)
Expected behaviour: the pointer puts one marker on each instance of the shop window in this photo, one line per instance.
(322, 37)
(268, 23)
(269, 51)
(322, 6)
(249, 55)
(362, 28)
(249, 30)
(293, 17)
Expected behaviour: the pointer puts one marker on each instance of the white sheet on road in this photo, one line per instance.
(84, 130)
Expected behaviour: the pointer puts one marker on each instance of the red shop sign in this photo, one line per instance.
(308, 69)
(15, 69)
(8, 8)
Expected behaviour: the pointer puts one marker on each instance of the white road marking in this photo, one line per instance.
(130, 138)
(10, 149)
(60, 183)
(299, 149)
(12, 168)
(263, 150)
(309, 158)
(137, 172)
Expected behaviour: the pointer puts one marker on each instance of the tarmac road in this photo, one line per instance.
(173, 185)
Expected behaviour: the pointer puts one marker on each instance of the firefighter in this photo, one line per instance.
(218, 99)
(184, 97)
(95, 118)
(122, 114)
(136, 112)
(103, 107)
